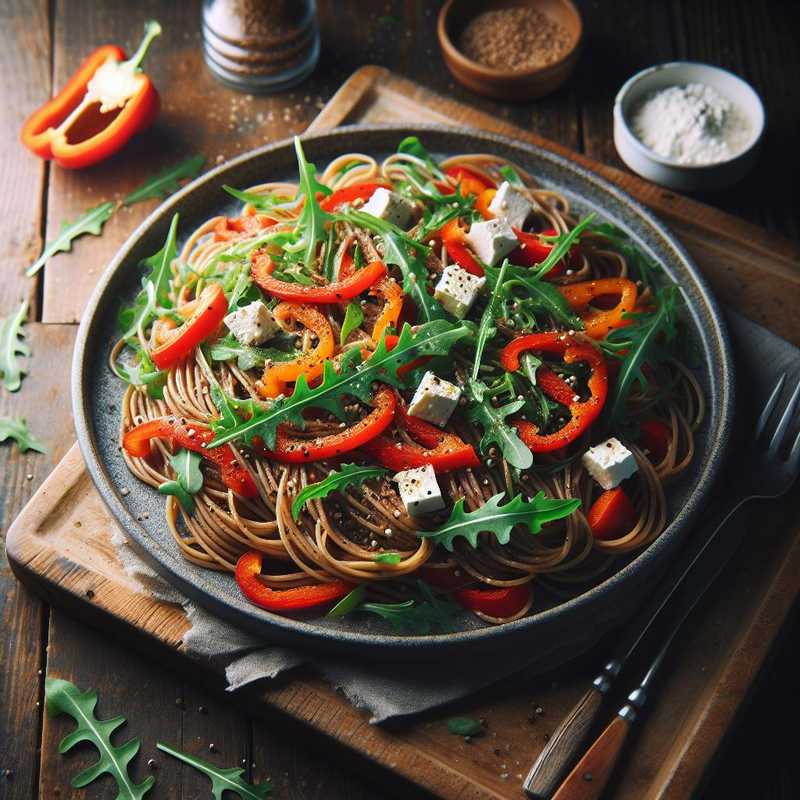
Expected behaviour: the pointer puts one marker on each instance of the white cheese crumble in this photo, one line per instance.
(252, 324)
(491, 240)
(419, 490)
(435, 399)
(389, 206)
(511, 204)
(457, 290)
(610, 463)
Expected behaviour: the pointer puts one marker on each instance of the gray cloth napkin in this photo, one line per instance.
(391, 692)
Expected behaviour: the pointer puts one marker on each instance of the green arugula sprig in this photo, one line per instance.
(188, 478)
(491, 517)
(646, 269)
(261, 202)
(335, 481)
(354, 378)
(90, 222)
(487, 328)
(511, 175)
(222, 780)
(13, 345)
(18, 431)
(412, 146)
(63, 697)
(496, 431)
(247, 356)
(561, 247)
(353, 317)
(421, 617)
(165, 183)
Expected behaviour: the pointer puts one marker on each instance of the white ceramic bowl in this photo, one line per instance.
(668, 171)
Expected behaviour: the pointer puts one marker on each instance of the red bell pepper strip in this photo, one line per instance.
(346, 196)
(584, 413)
(599, 322)
(655, 437)
(469, 181)
(442, 450)
(211, 308)
(229, 228)
(444, 577)
(291, 449)
(452, 235)
(554, 386)
(501, 602)
(346, 289)
(612, 515)
(276, 376)
(248, 568)
(532, 251)
(102, 106)
(191, 437)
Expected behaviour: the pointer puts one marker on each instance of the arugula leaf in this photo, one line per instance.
(491, 517)
(511, 175)
(261, 202)
(189, 478)
(90, 222)
(166, 182)
(496, 430)
(416, 616)
(354, 378)
(142, 372)
(486, 328)
(335, 481)
(377, 225)
(464, 726)
(388, 558)
(155, 287)
(63, 697)
(222, 780)
(353, 317)
(12, 345)
(645, 266)
(311, 223)
(247, 356)
(17, 429)
(348, 603)
(562, 246)
(412, 146)
(415, 276)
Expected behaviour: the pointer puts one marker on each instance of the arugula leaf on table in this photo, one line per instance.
(353, 317)
(188, 478)
(12, 345)
(261, 202)
(90, 222)
(354, 377)
(63, 697)
(247, 356)
(416, 616)
(17, 429)
(312, 219)
(464, 726)
(335, 481)
(491, 517)
(222, 780)
(166, 182)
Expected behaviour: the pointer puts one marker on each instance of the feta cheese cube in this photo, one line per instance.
(419, 490)
(457, 290)
(252, 324)
(511, 204)
(435, 399)
(610, 463)
(389, 206)
(491, 240)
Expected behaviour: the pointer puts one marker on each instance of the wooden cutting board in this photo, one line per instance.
(60, 546)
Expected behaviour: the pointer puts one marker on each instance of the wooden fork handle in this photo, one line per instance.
(563, 747)
(591, 773)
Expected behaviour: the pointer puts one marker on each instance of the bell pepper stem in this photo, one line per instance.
(151, 30)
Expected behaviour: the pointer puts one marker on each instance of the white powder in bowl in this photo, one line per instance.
(692, 124)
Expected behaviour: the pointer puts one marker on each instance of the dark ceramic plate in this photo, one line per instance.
(557, 631)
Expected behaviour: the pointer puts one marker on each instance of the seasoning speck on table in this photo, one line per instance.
(514, 39)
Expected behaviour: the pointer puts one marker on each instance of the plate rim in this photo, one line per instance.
(240, 612)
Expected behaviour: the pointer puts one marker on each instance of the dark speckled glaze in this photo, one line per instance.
(555, 632)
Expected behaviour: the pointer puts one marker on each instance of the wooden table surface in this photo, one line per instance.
(42, 43)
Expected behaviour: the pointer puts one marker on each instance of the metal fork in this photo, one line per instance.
(773, 464)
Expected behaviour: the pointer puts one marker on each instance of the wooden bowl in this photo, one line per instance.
(506, 84)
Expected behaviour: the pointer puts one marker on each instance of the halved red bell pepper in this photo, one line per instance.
(191, 437)
(212, 306)
(599, 322)
(229, 228)
(612, 515)
(584, 413)
(452, 235)
(358, 191)
(292, 449)
(501, 602)
(468, 180)
(311, 363)
(655, 437)
(351, 286)
(442, 450)
(248, 568)
(102, 106)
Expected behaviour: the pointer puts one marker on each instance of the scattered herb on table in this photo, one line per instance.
(13, 345)
(464, 726)
(335, 481)
(18, 431)
(188, 478)
(166, 182)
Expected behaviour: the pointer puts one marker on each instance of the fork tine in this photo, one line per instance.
(770, 407)
(785, 419)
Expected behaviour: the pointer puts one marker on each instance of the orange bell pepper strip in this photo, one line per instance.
(211, 308)
(136, 443)
(229, 228)
(102, 106)
(484, 201)
(354, 284)
(392, 295)
(291, 449)
(612, 515)
(248, 568)
(584, 413)
(276, 376)
(599, 322)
